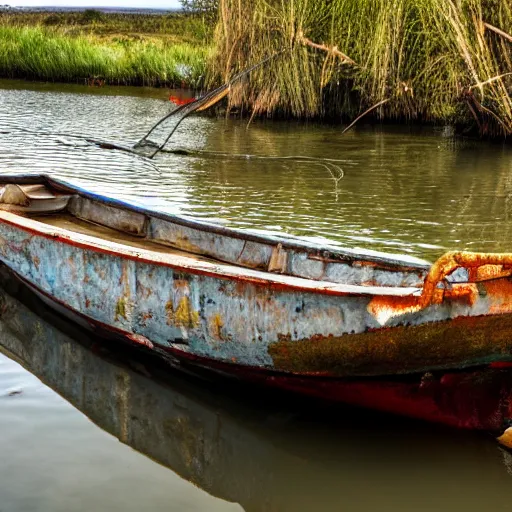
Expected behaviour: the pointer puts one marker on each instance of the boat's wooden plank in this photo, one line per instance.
(302, 266)
(110, 216)
(255, 255)
(196, 241)
(74, 224)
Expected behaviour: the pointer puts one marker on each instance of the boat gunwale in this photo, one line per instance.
(346, 255)
(183, 263)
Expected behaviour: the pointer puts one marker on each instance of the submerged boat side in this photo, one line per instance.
(219, 313)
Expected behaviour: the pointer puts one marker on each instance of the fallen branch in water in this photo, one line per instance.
(364, 113)
(200, 104)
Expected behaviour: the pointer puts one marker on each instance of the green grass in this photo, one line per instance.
(108, 49)
(431, 60)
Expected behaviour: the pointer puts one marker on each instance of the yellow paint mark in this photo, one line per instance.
(124, 305)
(184, 315)
(121, 309)
(169, 311)
(178, 309)
(216, 325)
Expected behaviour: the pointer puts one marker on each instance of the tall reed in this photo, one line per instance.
(440, 60)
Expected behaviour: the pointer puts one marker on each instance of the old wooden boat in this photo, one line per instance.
(315, 320)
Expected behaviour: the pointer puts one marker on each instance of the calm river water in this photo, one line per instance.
(394, 190)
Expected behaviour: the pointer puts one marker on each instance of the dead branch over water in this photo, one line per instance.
(329, 49)
(348, 57)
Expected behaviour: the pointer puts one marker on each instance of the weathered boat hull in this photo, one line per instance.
(477, 399)
(244, 320)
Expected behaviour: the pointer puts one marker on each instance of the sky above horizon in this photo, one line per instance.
(152, 4)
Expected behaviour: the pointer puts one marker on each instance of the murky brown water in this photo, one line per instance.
(396, 190)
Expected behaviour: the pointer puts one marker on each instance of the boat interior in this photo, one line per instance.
(51, 208)
(91, 216)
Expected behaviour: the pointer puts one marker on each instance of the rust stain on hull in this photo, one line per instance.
(401, 349)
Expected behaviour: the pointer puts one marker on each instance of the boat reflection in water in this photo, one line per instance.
(265, 453)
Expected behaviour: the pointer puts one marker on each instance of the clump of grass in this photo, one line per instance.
(45, 54)
(437, 60)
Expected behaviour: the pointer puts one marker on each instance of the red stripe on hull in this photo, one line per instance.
(479, 399)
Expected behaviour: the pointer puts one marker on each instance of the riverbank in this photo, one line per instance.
(98, 48)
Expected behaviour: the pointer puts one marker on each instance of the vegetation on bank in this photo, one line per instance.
(446, 61)
(97, 48)
(440, 60)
